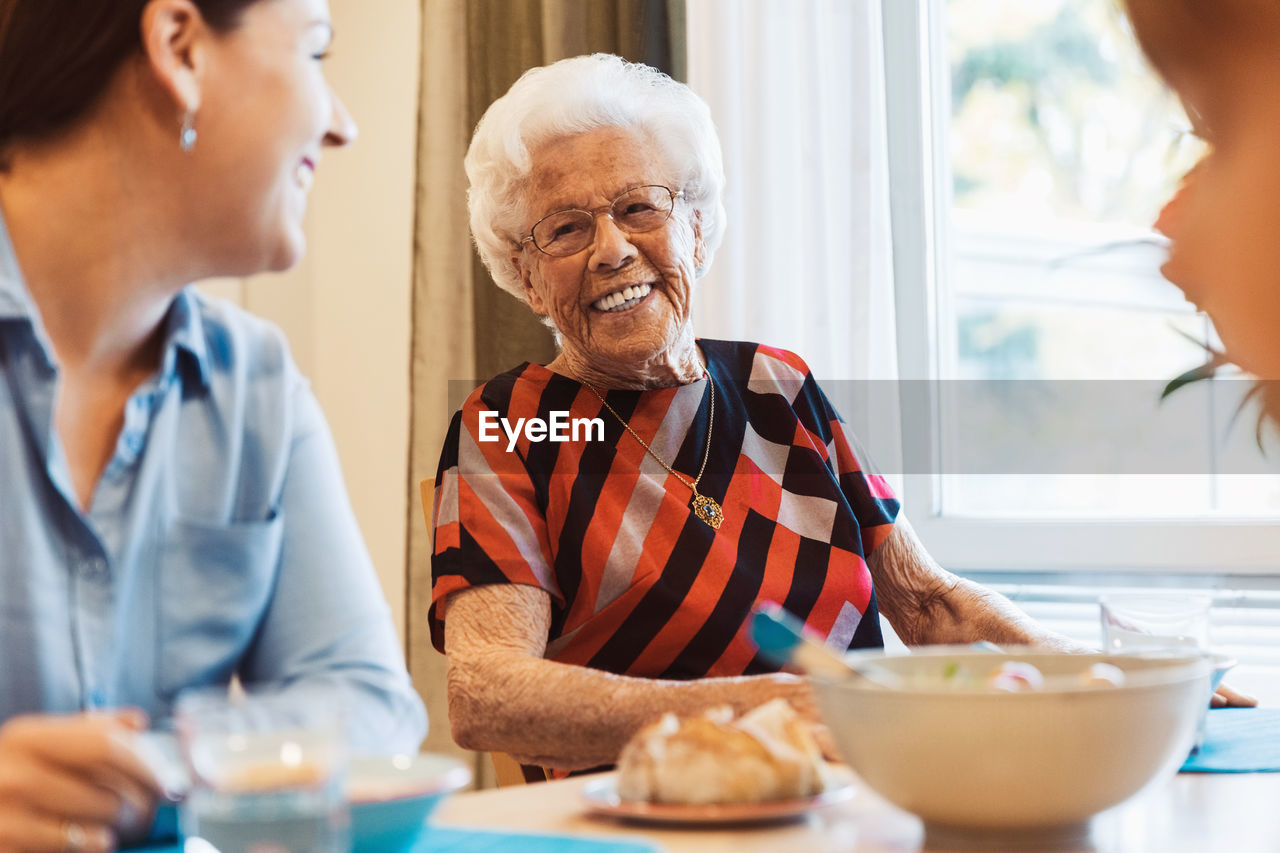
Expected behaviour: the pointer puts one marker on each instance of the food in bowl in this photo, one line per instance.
(1015, 675)
(1102, 675)
(967, 755)
(712, 759)
(274, 776)
(1012, 676)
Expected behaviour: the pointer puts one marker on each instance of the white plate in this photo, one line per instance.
(601, 797)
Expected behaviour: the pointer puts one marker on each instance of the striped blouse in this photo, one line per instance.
(639, 585)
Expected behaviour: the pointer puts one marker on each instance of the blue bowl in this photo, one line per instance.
(391, 798)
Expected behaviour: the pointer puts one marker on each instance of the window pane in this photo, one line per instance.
(1003, 338)
(1063, 147)
(1055, 117)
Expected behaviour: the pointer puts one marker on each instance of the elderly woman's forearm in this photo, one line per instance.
(505, 696)
(928, 605)
(967, 612)
(572, 717)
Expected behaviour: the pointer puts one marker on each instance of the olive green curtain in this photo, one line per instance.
(464, 326)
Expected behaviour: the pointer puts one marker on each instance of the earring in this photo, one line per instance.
(187, 134)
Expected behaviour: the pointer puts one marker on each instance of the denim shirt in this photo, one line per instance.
(219, 540)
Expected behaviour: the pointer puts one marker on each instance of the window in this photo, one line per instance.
(1030, 147)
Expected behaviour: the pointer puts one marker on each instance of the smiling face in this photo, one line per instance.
(622, 304)
(266, 112)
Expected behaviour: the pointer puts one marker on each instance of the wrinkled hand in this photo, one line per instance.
(826, 744)
(1225, 697)
(806, 705)
(72, 782)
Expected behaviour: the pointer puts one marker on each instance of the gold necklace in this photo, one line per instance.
(704, 508)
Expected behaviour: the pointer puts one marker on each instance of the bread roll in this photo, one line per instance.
(767, 754)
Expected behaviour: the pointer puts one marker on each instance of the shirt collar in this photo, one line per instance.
(184, 333)
(15, 302)
(184, 337)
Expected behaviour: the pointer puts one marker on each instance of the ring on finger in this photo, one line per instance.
(75, 837)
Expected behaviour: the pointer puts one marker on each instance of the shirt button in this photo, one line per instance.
(94, 568)
(98, 699)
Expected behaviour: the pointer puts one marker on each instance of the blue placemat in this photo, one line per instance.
(447, 840)
(441, 840)
(1239, 740)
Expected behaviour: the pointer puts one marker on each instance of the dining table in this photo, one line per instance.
(1188, 813)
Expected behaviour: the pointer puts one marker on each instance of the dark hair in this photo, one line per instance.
(57, 56)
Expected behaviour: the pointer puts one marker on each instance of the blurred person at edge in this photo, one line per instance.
(1222, 58)
(172, 512)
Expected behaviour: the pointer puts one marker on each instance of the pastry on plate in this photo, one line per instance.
(766, 754)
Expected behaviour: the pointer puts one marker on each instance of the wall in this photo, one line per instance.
(346, 307)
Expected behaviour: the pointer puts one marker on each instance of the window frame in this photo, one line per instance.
(914, 34)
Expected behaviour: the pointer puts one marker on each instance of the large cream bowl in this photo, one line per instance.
(979, 763)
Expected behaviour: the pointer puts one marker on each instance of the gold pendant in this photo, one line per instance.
(708, 510)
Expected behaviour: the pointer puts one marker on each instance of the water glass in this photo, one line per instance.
(1154, 621)
(268, 774)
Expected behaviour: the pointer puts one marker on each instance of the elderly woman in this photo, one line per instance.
(582, 587)
(1223, 59)
(171, 507)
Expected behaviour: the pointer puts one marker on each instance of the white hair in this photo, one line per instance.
(575, 96)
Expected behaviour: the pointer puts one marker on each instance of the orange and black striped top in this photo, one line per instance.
(639, 585)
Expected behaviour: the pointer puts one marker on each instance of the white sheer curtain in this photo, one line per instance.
(796, 88)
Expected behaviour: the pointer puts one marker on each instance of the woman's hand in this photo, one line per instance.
(806, 705)
(1225, 697)
(72, 783)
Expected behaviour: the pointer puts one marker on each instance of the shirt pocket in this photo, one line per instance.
(214, 582)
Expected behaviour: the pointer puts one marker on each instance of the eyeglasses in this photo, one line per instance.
(567, 232)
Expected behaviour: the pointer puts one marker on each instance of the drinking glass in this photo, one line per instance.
(268, 773)
(1152, 621)
(1169, 622)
